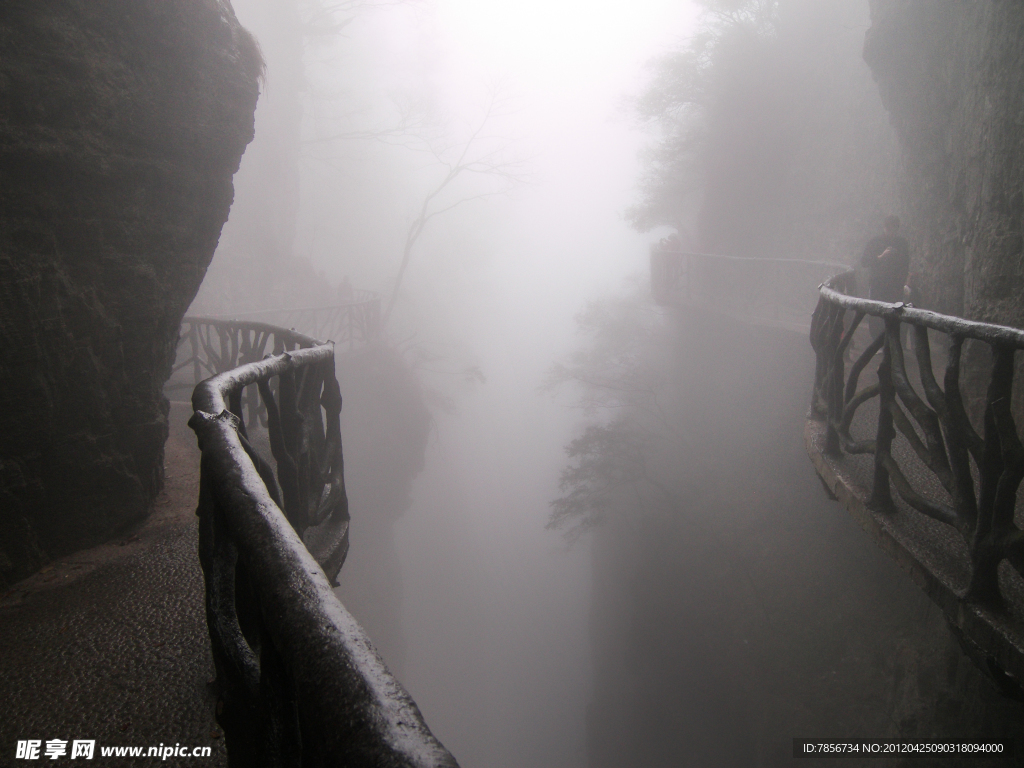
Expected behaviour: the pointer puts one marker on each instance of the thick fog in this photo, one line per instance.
(493, 639)
(608, 505)
(487, 169)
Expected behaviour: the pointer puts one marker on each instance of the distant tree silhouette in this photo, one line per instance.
(769, 136)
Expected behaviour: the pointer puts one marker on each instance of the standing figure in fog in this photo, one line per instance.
(887, 259)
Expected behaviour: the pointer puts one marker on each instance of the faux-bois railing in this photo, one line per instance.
(947, 469)
(298, 681)
(349, 324)
(953, 521)
(980, 473)
(208, 345)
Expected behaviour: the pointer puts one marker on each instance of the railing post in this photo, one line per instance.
(818, 337)
(1001, 471)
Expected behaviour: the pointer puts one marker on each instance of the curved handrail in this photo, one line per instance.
(298, 679)
(210, 345)
(285, 335)
(956, 326)
(979, 473)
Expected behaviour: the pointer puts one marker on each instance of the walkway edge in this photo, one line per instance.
(998, 643)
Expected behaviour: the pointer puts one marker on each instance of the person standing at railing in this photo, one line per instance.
(887, 259)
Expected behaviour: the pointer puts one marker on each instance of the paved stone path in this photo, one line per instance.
(111, 643)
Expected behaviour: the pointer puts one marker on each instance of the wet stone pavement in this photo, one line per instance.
(110, 644)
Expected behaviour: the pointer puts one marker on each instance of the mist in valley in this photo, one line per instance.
(497, 172)
(642, 464)
(480, 611)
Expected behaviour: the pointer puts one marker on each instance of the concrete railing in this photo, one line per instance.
(210, 344)
(350, 324)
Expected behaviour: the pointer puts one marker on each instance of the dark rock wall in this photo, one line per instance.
(121, 125)
(951, 75)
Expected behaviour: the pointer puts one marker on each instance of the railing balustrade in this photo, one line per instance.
(951, 451)
(978, 473)
(208, 346)
(298, 681)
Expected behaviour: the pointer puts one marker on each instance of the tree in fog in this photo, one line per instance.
(480, 155)
(679, 104)
(767, 139)
(768, 135)
(755, 153)
(619, 380)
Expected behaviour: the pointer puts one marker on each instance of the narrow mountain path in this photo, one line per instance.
(110, 643)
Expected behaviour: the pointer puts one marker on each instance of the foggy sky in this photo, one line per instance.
(495, 608)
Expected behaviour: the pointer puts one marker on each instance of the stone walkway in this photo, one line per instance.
(111, 643)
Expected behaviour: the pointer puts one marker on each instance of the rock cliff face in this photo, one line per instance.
(121, 125)
(952, 78)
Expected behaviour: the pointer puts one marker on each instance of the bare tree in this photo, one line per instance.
(480, 154)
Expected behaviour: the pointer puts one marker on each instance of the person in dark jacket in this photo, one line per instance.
(887, 259)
